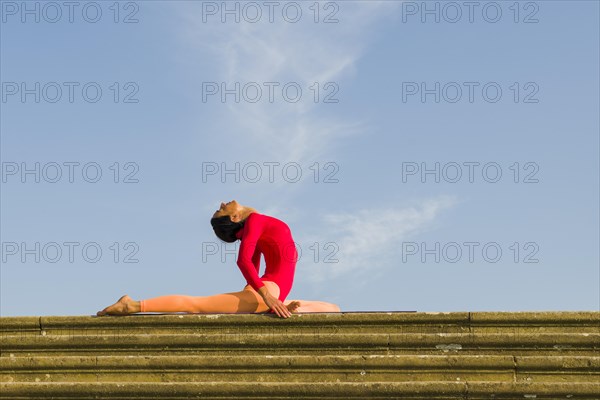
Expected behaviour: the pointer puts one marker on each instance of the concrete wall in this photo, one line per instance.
(458, 355)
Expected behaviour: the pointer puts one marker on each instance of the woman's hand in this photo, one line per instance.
(277, 305)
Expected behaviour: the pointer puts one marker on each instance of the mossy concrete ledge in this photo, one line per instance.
(349, 355)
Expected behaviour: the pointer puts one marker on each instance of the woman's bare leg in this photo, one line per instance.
(307, 306)
(244, 301)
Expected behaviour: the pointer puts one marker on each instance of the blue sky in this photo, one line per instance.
(369, 225)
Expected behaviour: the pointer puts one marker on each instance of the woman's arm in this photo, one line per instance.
(253, 229)
(264, 291)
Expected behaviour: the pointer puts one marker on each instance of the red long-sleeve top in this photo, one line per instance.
(271, 237)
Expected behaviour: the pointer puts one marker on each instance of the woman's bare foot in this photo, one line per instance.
(293, 306)
(124, 306)
(309, 306)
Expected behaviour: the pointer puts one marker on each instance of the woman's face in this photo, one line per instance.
(227, 209)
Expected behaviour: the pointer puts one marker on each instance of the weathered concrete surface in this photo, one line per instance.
(292, 390)
(462, 355)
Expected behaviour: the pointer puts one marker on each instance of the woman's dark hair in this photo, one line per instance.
(225, 228)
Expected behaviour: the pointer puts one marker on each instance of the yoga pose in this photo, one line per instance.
(260, 235)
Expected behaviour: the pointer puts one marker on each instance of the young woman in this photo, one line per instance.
(260, 235)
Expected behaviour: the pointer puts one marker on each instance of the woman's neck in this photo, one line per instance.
(246, 212)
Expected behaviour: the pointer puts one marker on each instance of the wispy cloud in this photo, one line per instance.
(306, 131)
(304, 53)
(367, 240)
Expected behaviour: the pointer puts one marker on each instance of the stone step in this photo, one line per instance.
(295, 390)
(383, 333)
(366, 368)
(376, 322)
(131, 342)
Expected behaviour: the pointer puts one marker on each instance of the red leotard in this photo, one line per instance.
(271, 237)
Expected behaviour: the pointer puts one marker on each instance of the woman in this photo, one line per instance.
(259, 234)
